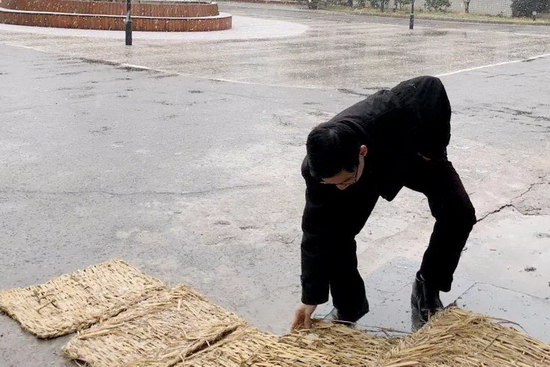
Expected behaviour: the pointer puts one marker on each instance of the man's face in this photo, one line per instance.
(344, 179)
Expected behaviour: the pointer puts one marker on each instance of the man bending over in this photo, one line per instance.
(395, 138)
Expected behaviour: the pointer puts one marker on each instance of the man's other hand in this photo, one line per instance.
(302, 316)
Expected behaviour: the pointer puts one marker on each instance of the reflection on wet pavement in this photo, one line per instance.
(333, 53)
(416, 320)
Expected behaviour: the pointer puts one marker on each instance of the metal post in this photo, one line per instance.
(128, 23)
(411, 20)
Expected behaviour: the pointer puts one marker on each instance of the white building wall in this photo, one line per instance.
(481, 7)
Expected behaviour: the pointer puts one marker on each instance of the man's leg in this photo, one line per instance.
(455, 216)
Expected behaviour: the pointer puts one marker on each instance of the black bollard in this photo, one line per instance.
(128, 28)
(128, 23)
(411, 19)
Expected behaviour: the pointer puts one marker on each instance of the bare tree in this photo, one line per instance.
(467, 6)
(402, 3)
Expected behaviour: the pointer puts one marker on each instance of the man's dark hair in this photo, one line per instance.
(331, 148)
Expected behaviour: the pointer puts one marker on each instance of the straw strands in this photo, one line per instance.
(350, 346)
(459, 338)
(78, 300)
(139, 322)
(284, 355)
(324, 345)
(160, 331)
(234, 351)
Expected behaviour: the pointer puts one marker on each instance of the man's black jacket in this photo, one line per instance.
(396, 125)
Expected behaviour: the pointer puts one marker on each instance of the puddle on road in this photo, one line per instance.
(434, 32)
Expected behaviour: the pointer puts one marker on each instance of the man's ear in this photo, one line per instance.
(363, 150)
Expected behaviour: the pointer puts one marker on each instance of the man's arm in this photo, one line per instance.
(314, 263)
(332, 218)
(318, 231)
(320, 224)
(314, 255)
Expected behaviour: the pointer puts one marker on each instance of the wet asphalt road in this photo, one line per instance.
(335, 51)
(192, 173)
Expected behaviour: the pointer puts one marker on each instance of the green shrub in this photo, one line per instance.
(378, 3)
(437, 4)
(525, 8)
(402, 3)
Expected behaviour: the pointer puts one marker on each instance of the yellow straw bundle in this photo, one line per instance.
(459, 338)
(284, 355)
(349, 346)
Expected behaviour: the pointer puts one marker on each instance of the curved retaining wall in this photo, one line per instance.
(157, 16)
(144, 9)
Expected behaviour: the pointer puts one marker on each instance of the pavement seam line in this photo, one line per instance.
(182, 193)
(493, 65)
(455, 302)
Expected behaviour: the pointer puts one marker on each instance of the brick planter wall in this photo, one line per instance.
(166, 16)
(165, 9)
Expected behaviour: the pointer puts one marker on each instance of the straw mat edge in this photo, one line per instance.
(233, 351)
(159, 331)
(77, 300)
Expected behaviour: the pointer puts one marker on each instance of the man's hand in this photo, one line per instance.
(302, 316)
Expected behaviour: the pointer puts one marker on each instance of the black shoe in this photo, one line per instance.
(336, 318)
(424, 300)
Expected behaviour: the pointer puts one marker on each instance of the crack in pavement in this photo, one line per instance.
(511, 205)
(496, 211)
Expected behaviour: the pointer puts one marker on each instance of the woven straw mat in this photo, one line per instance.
(77, 300)
(458, 338)
(160, 331)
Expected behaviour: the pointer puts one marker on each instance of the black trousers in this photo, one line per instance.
(454, 216)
